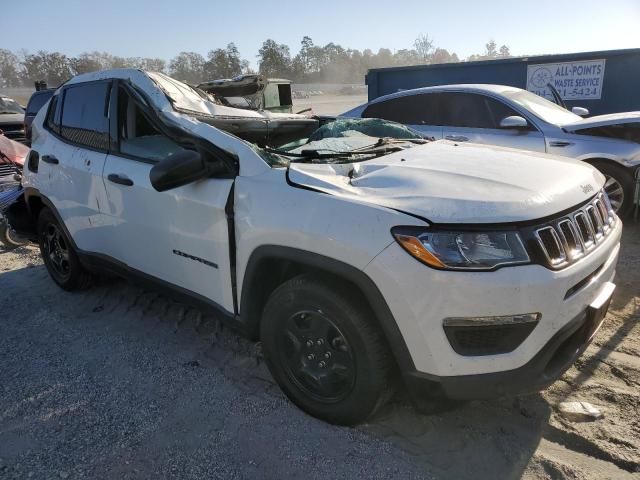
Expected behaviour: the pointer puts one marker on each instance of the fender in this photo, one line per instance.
(250, 308)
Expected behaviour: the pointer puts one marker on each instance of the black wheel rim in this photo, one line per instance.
(317, 356)
(615, 192)
(56, 250)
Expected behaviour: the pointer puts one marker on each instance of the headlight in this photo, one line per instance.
(462, 250)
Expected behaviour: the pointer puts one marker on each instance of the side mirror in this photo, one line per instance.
(583, 112)
(177, 170)
(515, 122)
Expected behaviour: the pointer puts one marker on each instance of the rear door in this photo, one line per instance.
(420, 112)
(72, 157)
(179, 236)
(474, 117)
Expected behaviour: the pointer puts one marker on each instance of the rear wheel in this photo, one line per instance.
(619, 185)
(59, 257)
(325, 350)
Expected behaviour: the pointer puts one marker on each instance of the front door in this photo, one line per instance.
(179, 236)
(473, 117)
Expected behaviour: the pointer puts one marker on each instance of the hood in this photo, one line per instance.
(465, 183)
(603, 120)
(6, 118)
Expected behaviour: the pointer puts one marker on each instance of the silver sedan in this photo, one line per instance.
(515, 118)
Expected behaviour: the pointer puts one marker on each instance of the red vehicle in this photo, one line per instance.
(12, 158)
(12, 152)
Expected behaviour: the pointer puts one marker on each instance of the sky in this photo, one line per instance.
(160, 28)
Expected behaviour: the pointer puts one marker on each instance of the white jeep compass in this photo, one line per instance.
(359, 261)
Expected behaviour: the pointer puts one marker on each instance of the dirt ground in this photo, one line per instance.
(118, 382)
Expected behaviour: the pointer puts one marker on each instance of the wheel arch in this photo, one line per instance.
(271, 265)
(36, 201)
(592, 159)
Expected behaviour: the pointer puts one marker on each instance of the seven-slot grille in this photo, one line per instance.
(575, 235)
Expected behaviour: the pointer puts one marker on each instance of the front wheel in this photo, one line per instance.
(619, 185)
(325, 350)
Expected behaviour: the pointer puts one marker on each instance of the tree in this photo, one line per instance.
(149, 64)
(442, 55)
(305, 57)
(224, 63)
(9, 69)
(491, 51)
(88, 62)
(54, 68)
(274, 59)
(188, 67)
(424, 46)
(406, 57)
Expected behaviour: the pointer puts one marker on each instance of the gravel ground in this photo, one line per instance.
(118, 382)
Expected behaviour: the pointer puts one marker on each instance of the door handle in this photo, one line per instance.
(560, 143)
(50, 159)
(120, 179)
(457, 138)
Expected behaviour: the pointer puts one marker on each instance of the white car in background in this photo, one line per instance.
(515, 118)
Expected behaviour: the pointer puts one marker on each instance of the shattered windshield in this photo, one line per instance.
(345, 141)
(181, 95)
(8, 105)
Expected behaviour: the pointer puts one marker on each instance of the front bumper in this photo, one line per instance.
(420, 298)
(542, 370)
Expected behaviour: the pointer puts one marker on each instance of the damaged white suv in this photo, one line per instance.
(359, 262)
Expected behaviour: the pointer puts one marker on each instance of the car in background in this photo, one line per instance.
(12, 119)
(515, 118)
(37, 100)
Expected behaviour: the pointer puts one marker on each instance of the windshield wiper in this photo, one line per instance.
(307, 156)
(382, 147)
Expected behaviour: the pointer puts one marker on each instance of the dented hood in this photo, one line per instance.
(467, 183)
(603, 120)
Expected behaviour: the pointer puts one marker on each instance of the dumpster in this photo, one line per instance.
(603, 82)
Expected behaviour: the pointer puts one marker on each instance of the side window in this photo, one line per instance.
(499, 111)
(85, 114)
(36, 102)
(473, 110)
(52, 121)
(419, 109)
(137, 136)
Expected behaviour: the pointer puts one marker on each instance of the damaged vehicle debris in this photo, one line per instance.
(12, 158)
(343, 248)
(252, 91)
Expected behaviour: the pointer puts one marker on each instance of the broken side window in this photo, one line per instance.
(137, 135)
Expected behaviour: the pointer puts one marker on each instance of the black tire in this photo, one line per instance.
(8, 237)
(625, 185)
(57, 252)
(357, 377)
